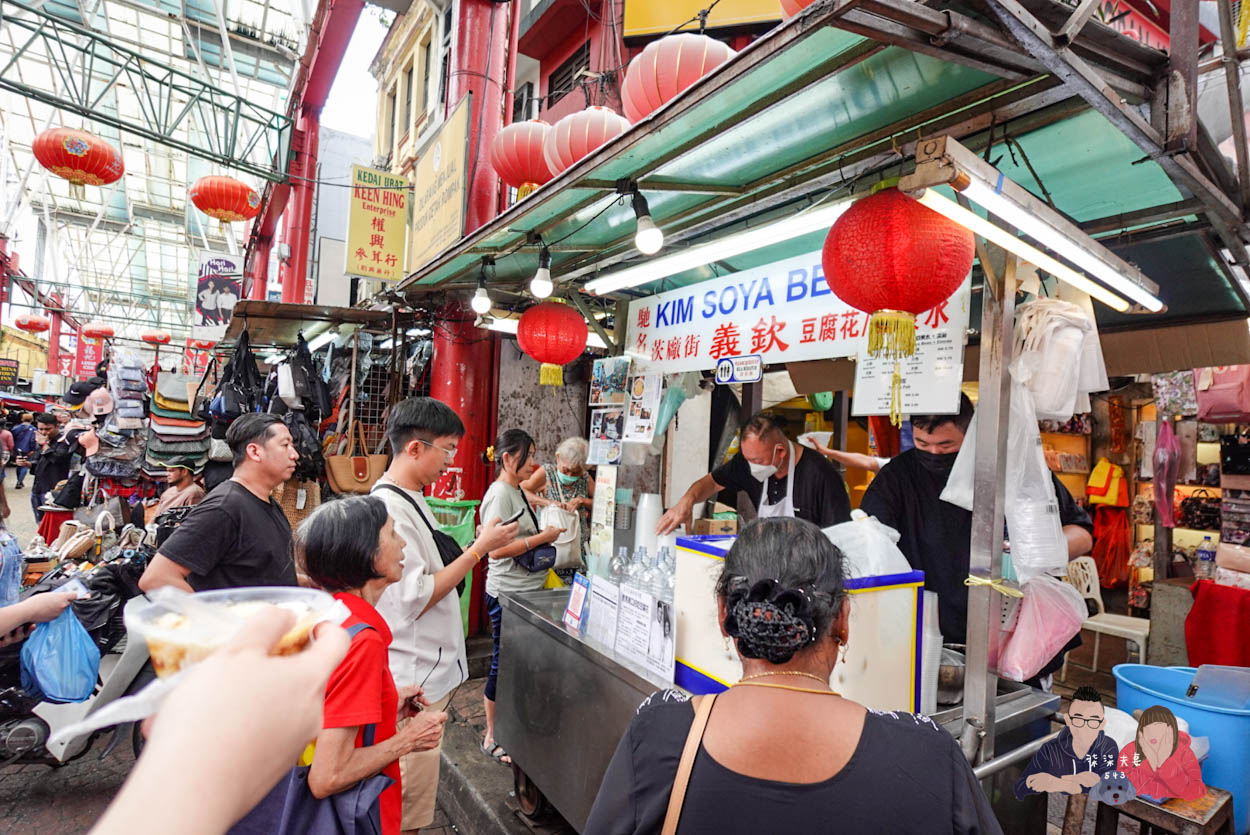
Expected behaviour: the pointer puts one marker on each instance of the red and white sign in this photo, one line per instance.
(64, 365)
(90, 353)
(783, 311)
(195, 360)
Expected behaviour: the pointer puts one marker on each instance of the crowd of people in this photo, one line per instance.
(780, 745)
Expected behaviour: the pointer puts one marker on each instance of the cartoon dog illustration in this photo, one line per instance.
(1114, 789)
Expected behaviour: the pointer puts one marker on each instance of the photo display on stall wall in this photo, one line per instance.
(603, 513)
(609, 382)
(644, 405)
(607, 431)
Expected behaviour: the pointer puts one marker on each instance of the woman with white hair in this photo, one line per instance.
(567, 484)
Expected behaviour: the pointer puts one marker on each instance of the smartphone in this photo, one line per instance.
(513, 517)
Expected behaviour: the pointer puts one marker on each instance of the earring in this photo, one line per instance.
(728, 646)
(844, 648)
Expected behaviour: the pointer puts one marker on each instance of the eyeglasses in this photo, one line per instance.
(1081, 721)
(450, 453)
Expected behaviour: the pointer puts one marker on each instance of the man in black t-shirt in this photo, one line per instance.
(936, 536)
(762, 469)
(50, 461)
(238, 536)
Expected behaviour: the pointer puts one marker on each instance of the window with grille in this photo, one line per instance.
(562, 80)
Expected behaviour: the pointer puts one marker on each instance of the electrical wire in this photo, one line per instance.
(618, 202)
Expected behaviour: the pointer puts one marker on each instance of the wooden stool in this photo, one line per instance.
(1211, 814)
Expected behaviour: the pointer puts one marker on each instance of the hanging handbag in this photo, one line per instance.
(540, 557)
(352, 473)
(1223, 394)
(1235, 455)
(1200, 511)
(448, 549)
(569, 544)
(291, 808)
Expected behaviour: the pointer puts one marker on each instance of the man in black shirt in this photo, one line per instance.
(936, 536)
(50, 461)
(762, 469)
(238, 536)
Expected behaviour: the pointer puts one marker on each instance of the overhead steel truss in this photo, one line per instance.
(235, 132)
(165, 311)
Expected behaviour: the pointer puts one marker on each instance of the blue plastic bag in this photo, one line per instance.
(60, 662)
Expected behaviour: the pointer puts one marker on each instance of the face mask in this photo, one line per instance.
(565, 478)
(761, 472)
(938, 463)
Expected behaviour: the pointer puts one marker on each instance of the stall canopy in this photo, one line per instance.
(835, 100)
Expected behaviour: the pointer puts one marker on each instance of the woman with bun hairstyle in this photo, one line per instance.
(780, 751)
(515, 461)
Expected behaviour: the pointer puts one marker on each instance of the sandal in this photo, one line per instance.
(495, 752)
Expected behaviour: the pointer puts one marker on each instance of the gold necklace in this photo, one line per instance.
(824, 681)
(745, 683)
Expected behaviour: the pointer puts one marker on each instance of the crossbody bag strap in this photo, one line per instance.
(555, 480)
(371, 729)
(678, 797)
(395, 488)
(537, 527)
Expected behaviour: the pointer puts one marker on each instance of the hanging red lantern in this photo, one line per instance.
(667, 67)
(516, 153)
(789, 8)
(555, 335)
(201, 344)
(97, 330)
(157, 337)
(78, 156)
(225, 199)
(32, 323)
(893, 258)
(577, 134)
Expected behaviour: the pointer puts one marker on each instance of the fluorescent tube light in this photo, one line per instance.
(999, 205)
(511, 325)
(712, 251)
(997, 234)
(321, 341)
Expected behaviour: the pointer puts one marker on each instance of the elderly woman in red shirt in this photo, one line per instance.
(349, 547)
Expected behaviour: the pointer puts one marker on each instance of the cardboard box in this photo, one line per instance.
(715, 527)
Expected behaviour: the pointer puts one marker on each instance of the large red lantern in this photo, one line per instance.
(517, 155)
(666, 68)
(78, 156)
(555, 335)
(157, 337)
(889, 256)
(32, 323)
(577, 134)
(97, 330)
(225, 199)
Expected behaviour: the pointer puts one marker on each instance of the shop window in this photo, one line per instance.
(562, 80)
(524, 105)
(407, 92)
(445, 56)
(390, 120)
(422, 97)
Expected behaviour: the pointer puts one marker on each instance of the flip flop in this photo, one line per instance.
(496, 753)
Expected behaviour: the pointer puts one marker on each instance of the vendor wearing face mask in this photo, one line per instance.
(780, 477)
(936, 536)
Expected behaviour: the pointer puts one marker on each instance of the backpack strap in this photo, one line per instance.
(369, 730)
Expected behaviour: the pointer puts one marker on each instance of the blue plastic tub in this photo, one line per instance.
(1138, 686)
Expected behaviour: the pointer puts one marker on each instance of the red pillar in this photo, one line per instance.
(54, 344)
(259, 272)
(298, 216)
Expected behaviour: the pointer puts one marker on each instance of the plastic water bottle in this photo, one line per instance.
(1205, 569)
(619, 565)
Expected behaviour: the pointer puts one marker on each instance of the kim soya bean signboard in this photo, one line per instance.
(785, 312)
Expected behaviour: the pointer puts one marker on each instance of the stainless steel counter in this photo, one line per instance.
(564, 702)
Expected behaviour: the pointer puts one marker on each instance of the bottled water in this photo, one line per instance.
(619, 566)
(1205, 567)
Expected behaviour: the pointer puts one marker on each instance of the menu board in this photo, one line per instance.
(932, 376)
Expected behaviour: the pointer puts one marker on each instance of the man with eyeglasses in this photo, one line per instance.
(422, 609)
(1073, 762)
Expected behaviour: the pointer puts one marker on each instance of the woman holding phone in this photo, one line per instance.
(514, 457)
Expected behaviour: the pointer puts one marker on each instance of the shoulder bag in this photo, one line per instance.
(352, 473)
(291, 808)
(702, 710)
(540, 557)
(569, 544)
(448, 549)
(1223, 393)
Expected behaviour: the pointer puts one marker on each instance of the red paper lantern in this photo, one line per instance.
(554, 334)
(32, 323)
(97, 330)
(577, 134)
(789, 8)
(201, 344)
(225, 199)
(78, 156)
(889, 256)
(517, 155)
(666, 68)
(156, 337)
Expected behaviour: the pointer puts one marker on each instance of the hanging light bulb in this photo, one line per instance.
(481, 302)
(540, 284)
(648, 238)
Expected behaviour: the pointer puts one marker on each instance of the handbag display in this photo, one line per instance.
(448, 549)
(1235, 455)
(1223, 393)
(1200, 511)
(540, 557)
(351, 473)
(569, 544)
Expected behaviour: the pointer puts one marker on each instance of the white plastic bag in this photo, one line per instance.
(1050, 615)
(1057, 356)
(958, 489)
(1033, 527)
(870, 548)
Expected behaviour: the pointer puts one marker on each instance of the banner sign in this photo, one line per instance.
(377, 224)
(64, 365)
(440, 188)
(783, 312)
(8, 372)
(89, 354)
(195, 360)
(218, 287)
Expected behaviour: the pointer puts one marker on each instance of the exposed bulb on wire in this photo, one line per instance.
(648, 237)
(541, 284)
